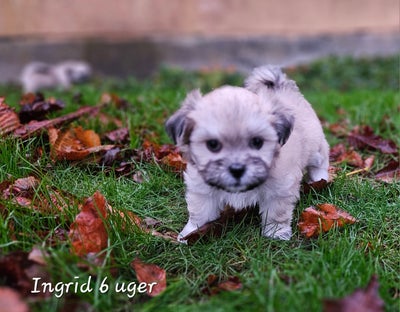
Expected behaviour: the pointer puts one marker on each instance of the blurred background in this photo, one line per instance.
(136, 37)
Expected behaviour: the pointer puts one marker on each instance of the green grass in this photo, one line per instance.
(276, 276)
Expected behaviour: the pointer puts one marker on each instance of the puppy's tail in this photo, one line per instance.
(268, 77)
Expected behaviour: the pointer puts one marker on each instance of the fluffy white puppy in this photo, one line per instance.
(246, 147)
(38, 75)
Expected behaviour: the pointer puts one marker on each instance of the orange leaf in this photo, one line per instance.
(89, 138)
(75, 143)
(152, 275)
(88, 233)
(324, 218)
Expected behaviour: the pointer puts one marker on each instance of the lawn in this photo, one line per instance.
(297, 275)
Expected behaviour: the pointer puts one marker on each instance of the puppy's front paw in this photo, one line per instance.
(278, 231)
(189, 228)
(181, 239)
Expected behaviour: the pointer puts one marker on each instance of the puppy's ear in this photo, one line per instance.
(179, 126)
(283, 125)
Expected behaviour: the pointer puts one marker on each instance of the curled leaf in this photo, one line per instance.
(9, 120)
(75, 143)
(36, 107)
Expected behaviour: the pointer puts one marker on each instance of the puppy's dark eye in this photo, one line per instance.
(256, 143)
(214, 145)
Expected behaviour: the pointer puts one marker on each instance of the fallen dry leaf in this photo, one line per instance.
(216, 228)
(166, 154)
(361, 300)
(214, 286)
(120, 135)
(26, 193)
(75, 143)
(390, 173)
(36, 107)
(150, 273)
(9, 120)
(88, 233)
(35, 127)
(339, 129)
(17, 271)
(10, 300)
(364, 137)
(323, 217)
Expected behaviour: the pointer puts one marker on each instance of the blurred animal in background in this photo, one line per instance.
(37, 76)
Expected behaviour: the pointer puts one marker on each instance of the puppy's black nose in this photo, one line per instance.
(237, 170)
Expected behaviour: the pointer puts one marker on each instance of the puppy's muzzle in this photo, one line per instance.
(237, 170)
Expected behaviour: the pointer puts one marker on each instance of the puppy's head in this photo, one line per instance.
(230, 135)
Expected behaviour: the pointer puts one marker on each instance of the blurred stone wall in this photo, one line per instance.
(135, 37)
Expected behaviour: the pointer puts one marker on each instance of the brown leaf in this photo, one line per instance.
(339, 129)
(390, 173)
(88, 233)
(214, 287)
(336, 152)
(17, 271)
(35, 127)
(323, 217)
(75, 143)
(364, 137)
(9, 120)
(361, 300)
(166, 154)
(10, 300)
(175, 161)
(150, 273)
(118, 136)
(36, 107)
(216, 228)
(317, 186)
(26, 193)
(352, 158)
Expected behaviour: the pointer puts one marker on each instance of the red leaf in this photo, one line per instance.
(88, 233)
(364, 137)
(361, 300)
(322, 218)
(150, 274)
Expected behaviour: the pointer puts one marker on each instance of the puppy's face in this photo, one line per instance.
(230, 136)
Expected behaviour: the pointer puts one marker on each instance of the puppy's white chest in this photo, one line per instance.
(238, 201)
